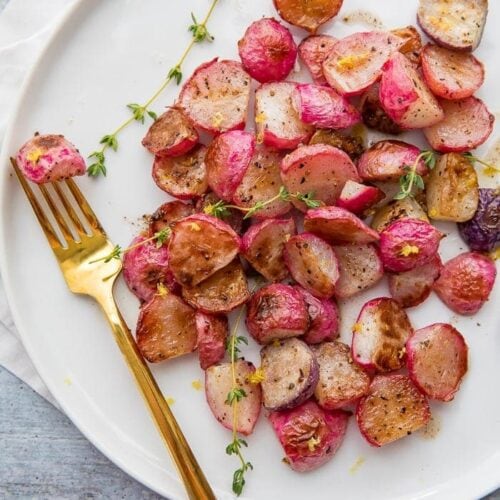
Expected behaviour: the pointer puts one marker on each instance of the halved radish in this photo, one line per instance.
(313, 50)
(261, 182)
(168, 214)
(411, 288)
(437, 360)
(231, 216)
(166, 328)
(308, 14)
(374, 115)
(319, 169)
(360, 268)
(405, 97)
(356, 61)
(222, 292)
(277, 122)
(215, 98)
(213, 331)
(393, 409)
(357, 197)
(395, 210)
(341, 381)
(218, 384)
(185, 176)
(456, 25)
(263, 244)
(227, 160)
(290, 374)
(323, 107)
(323, 318)
(338, 226)
(172, 134)
(465, 282)
(309, 435)
(380, 334)
(267, 50)
(312, 263)
(412, 46)
(276, 312)
(466, 125)
(350, 144)
(200, 245)
(450, 74)
(387, 161)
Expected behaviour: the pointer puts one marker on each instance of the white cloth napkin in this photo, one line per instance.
(25, 26)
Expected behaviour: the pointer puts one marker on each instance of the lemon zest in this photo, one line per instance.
(34, 155)
(68, 381)
(161, 290)
(313, 443)
(170, 401)
(408, 250)
(217, 119)
(194, 227)
(433, 213)
(260, 117)
(356, 328)
(196, 385)
(257, 376)
(495, 254)
(350, 62)
(356, 465)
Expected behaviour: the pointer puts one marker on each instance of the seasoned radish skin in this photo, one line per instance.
(323, 107)
(216, 96)
(218, 383)
(227, 160)
(49, 158)
(267, 51)
(168, 214)
(437, 360)
(263, 245)
(465, 282)
(394, 408)
(466, 125)
(172, 134)
(320, 169)
(396, 210)
(412, 46)
(290, 374)
(455, 25)
(380, 334)
(450, 74)
(341, 381)
(309, 435)
(357, 197)
(276, 312)
(166, 328)
(313, 264)
(213, 331)
(313, 50)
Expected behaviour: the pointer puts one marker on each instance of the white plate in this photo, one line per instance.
(105, 55)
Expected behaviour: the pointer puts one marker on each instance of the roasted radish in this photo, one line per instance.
(357, 197)
(395, 210)
(350, 144)
(374, 115)
(168, 214)
(412, 45)
(231, 216)
(313, 50)
(212, 335)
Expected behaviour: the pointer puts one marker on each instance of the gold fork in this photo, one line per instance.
(97, 280)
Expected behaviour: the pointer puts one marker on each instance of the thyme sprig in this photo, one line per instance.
(412, 179)
(488, 167)
(199, 33)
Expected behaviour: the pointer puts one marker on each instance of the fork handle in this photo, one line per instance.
(194, 480)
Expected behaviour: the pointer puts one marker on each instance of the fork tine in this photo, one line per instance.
(84, 206)
(69, 209)
(40, 215)
(57, 215)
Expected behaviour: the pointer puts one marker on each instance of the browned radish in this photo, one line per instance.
(276, 312)
(261, 182)
(231, 216)
(395, 210)
(215, 98)
(356, 61)
(310, 436)
(166, 328)
(411, 288)
(168, 214)
(374, 115)
(437, 360)
(227, 160)
(172, 134)
(453, 189)
(456, 25)
(277, 122)
(467, 124)
(350, 144)
(312, 263)
(394, 408)
(218, 384)
(212, 331)
(319, 169)
(357, 197)
(263, 244)
(200, 245)
(308, 14)
(360, 268)
(412, 43)
(222, 292)
(267, 50)
(337, 225)
(313, 50)
(380, 334)
(185, 176)
(405, 97)
(290, 374)
(450, 74)
(341, 381)
(387, 161)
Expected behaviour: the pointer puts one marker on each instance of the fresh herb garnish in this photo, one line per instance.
(411, 179)
(488, 167)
